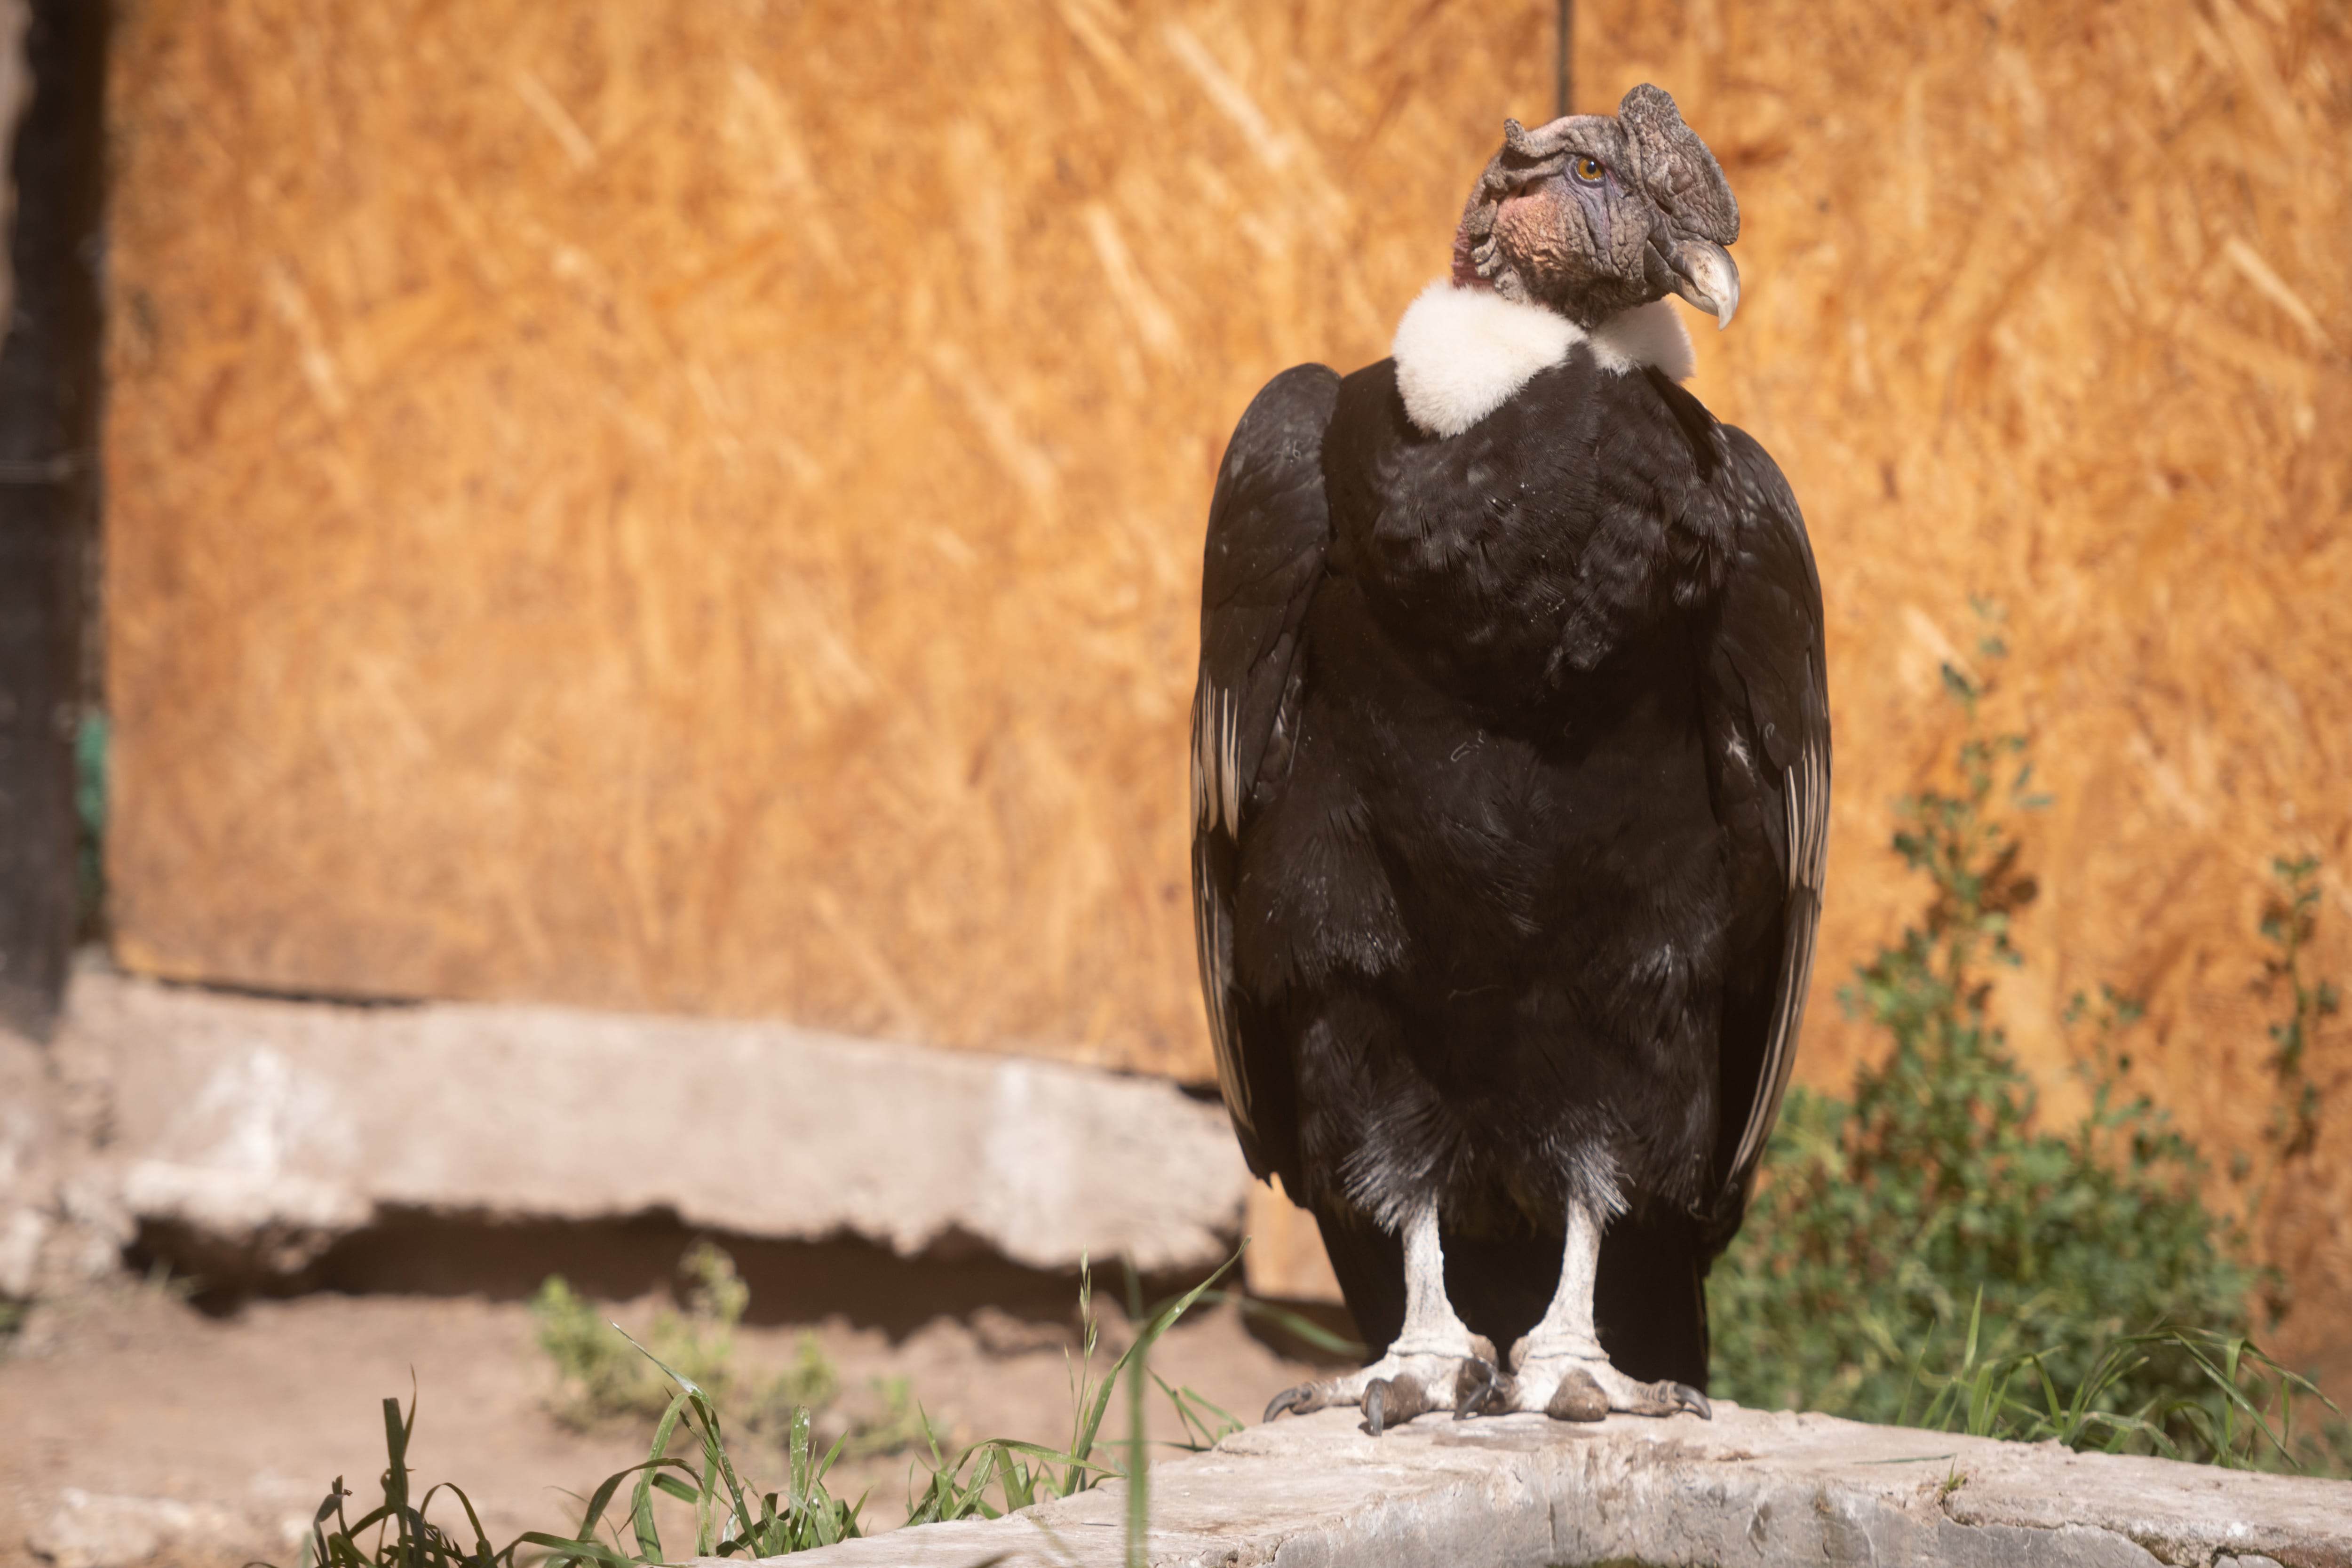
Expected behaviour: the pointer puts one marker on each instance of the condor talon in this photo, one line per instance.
(1478, 1383)
(1301, 1400)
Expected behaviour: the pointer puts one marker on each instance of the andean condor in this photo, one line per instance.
(1510, 788)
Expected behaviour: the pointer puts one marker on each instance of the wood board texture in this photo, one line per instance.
(698, 508)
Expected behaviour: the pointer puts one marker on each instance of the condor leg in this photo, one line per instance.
(1559, 1367)
(1435, 1361)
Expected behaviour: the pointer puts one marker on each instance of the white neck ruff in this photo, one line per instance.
(1461, 354)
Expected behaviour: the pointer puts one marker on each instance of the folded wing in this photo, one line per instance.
(1768, 728)
(1269, 528)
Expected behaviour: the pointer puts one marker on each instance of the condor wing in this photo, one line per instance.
(1269, 528)
(1769, 731)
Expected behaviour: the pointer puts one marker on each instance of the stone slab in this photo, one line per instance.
(1749, 1488)
(300, 1121)
(99, 1529)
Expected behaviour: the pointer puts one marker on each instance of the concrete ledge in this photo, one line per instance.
(295, 1122)
(1747, 1488)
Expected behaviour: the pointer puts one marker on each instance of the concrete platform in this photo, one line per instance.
(280, 1126)
(1746, 1489)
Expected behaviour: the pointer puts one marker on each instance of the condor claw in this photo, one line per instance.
(1393, 1402)
(1666, 1399)
(1571, 1386)
(1475, 1387)
(1298, 1401)
(1394, 1389)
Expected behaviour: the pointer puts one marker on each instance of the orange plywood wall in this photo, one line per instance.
(699, 507)
(2051, 304)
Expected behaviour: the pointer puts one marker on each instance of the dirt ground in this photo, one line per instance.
(128, 1391)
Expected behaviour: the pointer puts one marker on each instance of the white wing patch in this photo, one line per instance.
(1805, 789)
(1216, 807)
(1216, 761)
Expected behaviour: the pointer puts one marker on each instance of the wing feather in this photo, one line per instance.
(1774, 692)
(1805, 793)
(1269, 528)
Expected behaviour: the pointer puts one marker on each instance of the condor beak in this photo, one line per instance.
(1705, 274)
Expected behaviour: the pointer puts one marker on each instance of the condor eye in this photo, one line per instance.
(1588, 169)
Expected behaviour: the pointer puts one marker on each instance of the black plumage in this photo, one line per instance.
(1510, 782)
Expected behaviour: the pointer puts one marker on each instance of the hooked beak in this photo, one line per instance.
(1704, 273)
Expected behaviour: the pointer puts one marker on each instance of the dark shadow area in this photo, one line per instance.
(49, 395)
(419, 1253)
(258, 993)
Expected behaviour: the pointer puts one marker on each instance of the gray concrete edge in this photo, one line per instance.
(283, 1126)
(1749, 1488)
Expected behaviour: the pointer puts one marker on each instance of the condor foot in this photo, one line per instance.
(1570, 1387)
(1396, 1388)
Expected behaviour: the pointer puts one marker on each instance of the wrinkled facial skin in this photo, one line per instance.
(1564, 228)
(1593, 214)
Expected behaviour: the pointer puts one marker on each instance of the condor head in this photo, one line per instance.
(1594, 213)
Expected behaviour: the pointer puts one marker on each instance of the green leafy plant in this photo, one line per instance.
(1938, 1204)
(2287, 925)
(601, 1377)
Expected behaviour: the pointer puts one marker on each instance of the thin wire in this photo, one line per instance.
(1564, 41)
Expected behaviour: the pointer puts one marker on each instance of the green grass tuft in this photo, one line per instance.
(730, 1517)
(1023, 1473)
